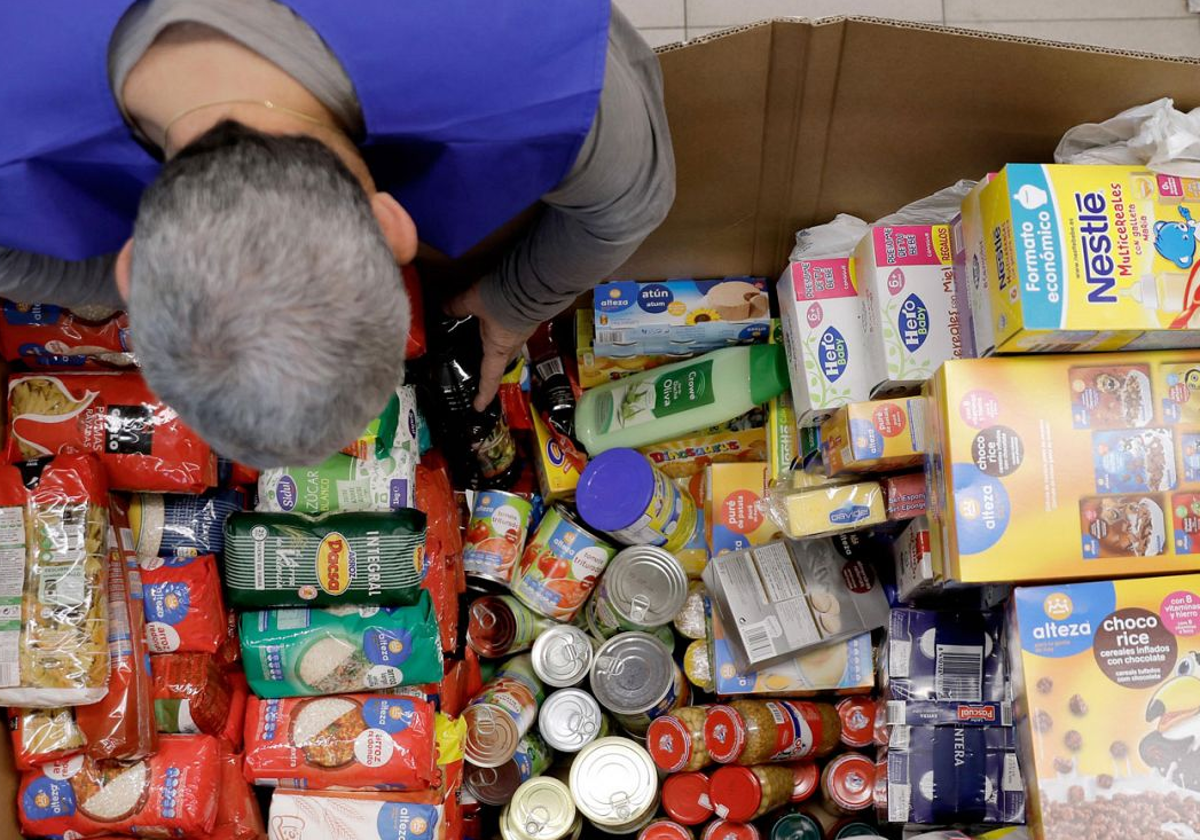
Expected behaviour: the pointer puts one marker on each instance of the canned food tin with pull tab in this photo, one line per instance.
(615, 785)
(635, 678)
(496, 785)
(562, 655)
(643, 589)
(542, 809)
(500, 715)
(571, 719)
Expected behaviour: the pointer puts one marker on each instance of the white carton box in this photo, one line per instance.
(974, 275)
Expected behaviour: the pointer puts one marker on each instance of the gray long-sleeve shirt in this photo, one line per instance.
(618, 191)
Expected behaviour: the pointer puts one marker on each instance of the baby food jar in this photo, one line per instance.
(615, 785)
(635, 678)
(643, 589)
(848, 784)
(665, 830)
(760, 731)
(742, 794)
(622, 494)
(685, 798)
(676, 741)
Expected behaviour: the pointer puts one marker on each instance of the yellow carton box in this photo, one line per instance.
(557, 474)
(735, 513)
(1059, 467)
(875, 436)
(833, 509)
(1090, 258)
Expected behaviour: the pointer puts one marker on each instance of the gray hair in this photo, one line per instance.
(266, 307)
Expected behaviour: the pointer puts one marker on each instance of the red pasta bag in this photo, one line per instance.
(191, 694)
(142, 443)
(48, 337)
(173, 793)
(346, 742)
(183, 605)
(122, 724)
(443, 548)
(238, 814)
(239, 694)
(40, 736)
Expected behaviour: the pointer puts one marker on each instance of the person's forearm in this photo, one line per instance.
(30, 278)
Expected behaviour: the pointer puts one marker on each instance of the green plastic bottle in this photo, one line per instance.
(671, 401)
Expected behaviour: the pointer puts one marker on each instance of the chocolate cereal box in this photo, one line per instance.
(1058, 467)
(1107, 681)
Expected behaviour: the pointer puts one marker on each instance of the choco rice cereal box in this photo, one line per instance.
(1107, 678)
(1074, 466)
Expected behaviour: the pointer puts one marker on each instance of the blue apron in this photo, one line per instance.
(473, 111)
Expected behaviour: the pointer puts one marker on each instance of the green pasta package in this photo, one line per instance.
(295, 559)
(340, 650)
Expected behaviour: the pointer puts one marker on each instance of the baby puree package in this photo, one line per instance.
(1074, 466)
(875, 436)
(824, 337)
(1108, 679)
(1091, 258)
(906, 281)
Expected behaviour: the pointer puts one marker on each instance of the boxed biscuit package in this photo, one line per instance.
(1090, 258)
(906, 282)
(1074, 466)
(876, 436)
(1107, 677)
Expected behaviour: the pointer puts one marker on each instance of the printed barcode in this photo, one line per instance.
(610, 336)
(9, 676)
(1012, 774)
(1005, 714)
(758, 643)
(899, 739)
(959, 674)
(897, 712)
(550, 367)
(899, 803)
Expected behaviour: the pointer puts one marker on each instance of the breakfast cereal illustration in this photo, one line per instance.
(1134, 460)
(1123, 526)
(1180, 389)
(1111, 397)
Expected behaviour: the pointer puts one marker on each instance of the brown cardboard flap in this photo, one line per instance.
(783, 125)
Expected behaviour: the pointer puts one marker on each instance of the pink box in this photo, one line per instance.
(904, 496)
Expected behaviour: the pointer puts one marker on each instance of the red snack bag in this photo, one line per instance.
(239, 698)
(238, 815)
(350, 741)
(416, 304)
(142, 443)
(230, 652)
(40, 736)
(172, 793)
(443, 548)
(48, 337)
(191, 694)
(183, 606)
(122, 724)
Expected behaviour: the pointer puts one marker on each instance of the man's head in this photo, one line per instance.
(265, 295)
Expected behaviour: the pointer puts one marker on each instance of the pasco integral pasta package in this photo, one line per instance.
(143, 443)
(348, 742)
(171, 794)
(341, 483)
(40, 736)
(340, 650)
(353, 816)
(53, 590)
(48, 337)
(183, 606)
(294, 559)
(179, 525)
(191, 694)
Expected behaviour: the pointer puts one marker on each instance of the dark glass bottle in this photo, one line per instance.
(552, 393)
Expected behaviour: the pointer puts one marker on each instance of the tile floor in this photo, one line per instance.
(1157, 26)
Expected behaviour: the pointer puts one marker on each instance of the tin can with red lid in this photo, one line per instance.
(727, 830)
(742, 794)
(666, 830)
(848, 783)
(858, 721)
(806, 778)
(685, 798)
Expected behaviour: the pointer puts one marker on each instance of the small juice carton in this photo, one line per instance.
(1091, 258)
(877, 436)
(906, 277)
(824, 336)
(735, 512)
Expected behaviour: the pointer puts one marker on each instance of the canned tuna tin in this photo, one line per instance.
(571, 719)
(496, 785)
(495, 535)
(623, 495)
(643, 589)
(560, 566)
(635, 678)
(542, 809)
(509, 832)
(500, 715)
(562, 655)
(615, 785)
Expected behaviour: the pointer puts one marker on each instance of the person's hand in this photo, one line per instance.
(500, 344)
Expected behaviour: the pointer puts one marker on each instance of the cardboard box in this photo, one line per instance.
(1107, 679)
(1091, 258)
(679, 316)
(970, 276)
(877, 436)
(905, 277)
(557, 470)
(904, 496)
(1075, 466)
(596, 370)
(734, 507)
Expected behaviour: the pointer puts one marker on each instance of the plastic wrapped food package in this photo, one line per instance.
(173, 524)
(441, 576)
(48, 337)
(54, 552)
(142, 443)
(40, 736)
(191, 695)
(183, 607)
(297, 816)
(341, 483)
(238, 814)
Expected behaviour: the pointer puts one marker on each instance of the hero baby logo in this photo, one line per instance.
(1173, 748)
(833, 354)
(1176, 241)
(913, 323)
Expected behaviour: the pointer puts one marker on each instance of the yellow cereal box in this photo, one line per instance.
(557, 471)
(1090, 258)
(1107, 681)
(735, 514)
(1075, 466)
(876, 436)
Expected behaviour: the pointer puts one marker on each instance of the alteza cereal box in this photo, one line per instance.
(1073, 466)
(906, 281)
(1107, 681)
(1091, 258)
(824, 337)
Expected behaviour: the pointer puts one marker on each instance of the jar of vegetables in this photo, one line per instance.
(742, 794)
(676, 740)
(761, 731)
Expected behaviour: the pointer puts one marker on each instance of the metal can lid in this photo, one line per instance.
(492, 735)
(632, 672)
(858, 721)
(670, 743)
(796, 827)
(614, 781)
(727, 830)
(724, 733)
(849, 781)
(857, 829)
(542, 808)
(562, 655)
(805, 779)
(646, 585)
(736, 793)
(569, 719)
(685, 798)
(665, 830)
(492, 785)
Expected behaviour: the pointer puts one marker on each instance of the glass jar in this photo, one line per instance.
(761, 731)
(742, 794)
(676, 741)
